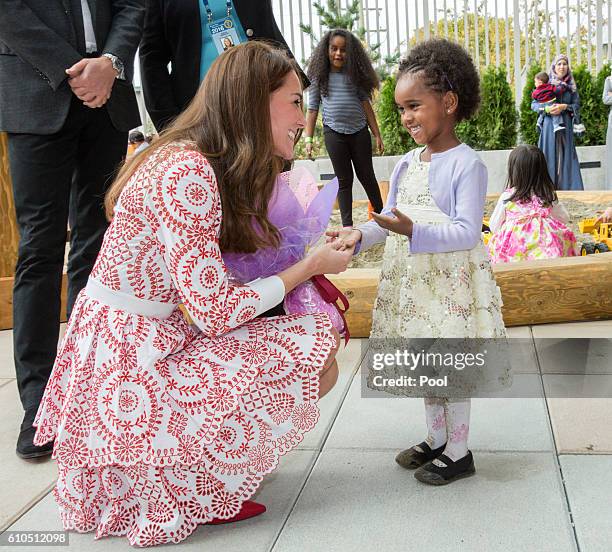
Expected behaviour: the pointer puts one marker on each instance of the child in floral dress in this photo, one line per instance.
(528, 221)
(436, 280)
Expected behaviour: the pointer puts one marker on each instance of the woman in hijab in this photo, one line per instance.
(558, 146)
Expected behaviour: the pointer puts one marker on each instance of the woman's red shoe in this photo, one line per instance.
(249, 509)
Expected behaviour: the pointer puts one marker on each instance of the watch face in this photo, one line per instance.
(116, 63)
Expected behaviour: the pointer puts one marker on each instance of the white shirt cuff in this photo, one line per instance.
(271, 290)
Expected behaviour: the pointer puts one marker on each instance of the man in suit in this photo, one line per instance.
(173, 34)
(67, 103)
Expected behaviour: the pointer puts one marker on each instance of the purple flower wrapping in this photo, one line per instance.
(306, 299)
(299, 229)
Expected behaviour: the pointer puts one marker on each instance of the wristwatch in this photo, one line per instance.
(117, 65)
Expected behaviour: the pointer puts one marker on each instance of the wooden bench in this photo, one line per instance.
(534, 292)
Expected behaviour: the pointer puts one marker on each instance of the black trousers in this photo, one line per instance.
(56, 178)
(356, 148)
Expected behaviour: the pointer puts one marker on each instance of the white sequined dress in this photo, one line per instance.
(434, 295)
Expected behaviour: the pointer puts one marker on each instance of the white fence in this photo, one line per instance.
(514, 33)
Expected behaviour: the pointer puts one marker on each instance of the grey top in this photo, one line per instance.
(342, 109)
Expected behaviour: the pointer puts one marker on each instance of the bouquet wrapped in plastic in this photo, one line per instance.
(301, 213)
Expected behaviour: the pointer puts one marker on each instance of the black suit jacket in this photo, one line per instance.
(173, 34)
(40, 39)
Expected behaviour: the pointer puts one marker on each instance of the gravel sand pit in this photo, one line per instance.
(578, 210)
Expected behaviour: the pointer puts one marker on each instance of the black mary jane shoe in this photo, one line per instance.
(432, 474)
(412, 458)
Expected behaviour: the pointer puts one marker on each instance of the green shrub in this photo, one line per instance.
(494, 126)
(584, 84)
(600, 110)
(467, 132)
(396, 138)
(497, 116)
(527, 117)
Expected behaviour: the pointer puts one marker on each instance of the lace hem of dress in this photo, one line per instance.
(149, 506)
(176, 431)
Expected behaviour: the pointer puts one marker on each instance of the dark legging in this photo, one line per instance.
(342, 149)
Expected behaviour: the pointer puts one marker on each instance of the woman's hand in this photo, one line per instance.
(348, 238)
(330, 258)
(380, 146)
(400, 223)
(555, 109)
(309, 149)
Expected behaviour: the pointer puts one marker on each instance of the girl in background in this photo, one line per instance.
(528, 221)
(343, 81)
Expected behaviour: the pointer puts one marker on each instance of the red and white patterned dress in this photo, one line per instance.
(159, 426)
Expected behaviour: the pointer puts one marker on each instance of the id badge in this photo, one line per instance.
(224, 34)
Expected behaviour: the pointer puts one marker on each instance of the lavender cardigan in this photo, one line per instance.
(458, 184)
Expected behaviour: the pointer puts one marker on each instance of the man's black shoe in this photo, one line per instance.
(25, 443)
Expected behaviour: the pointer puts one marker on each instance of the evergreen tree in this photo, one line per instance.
(527, 117)
(335, 17)
(600, 115)
(496, 118)
(494, 126)
(467, 132)
(396, 138)
(584, 85)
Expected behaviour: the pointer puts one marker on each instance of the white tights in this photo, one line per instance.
(448, 421)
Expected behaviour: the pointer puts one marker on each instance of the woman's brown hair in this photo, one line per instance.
(229, 120)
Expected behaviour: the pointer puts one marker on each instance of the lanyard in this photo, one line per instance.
(209, 12)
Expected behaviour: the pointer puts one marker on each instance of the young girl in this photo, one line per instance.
(528, 221)
(343, 81)
(436, 280)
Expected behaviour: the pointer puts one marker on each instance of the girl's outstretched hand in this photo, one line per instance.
(400, 223)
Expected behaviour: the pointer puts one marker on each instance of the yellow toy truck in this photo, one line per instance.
(601, 233)
(486, 231)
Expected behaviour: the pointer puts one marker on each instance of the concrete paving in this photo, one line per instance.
(543, 481)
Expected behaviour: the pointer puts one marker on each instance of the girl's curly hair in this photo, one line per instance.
(357, 66)
(445, 66)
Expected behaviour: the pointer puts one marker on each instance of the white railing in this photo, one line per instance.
(513, 33)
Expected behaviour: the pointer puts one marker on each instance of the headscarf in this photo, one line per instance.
(568, 79)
